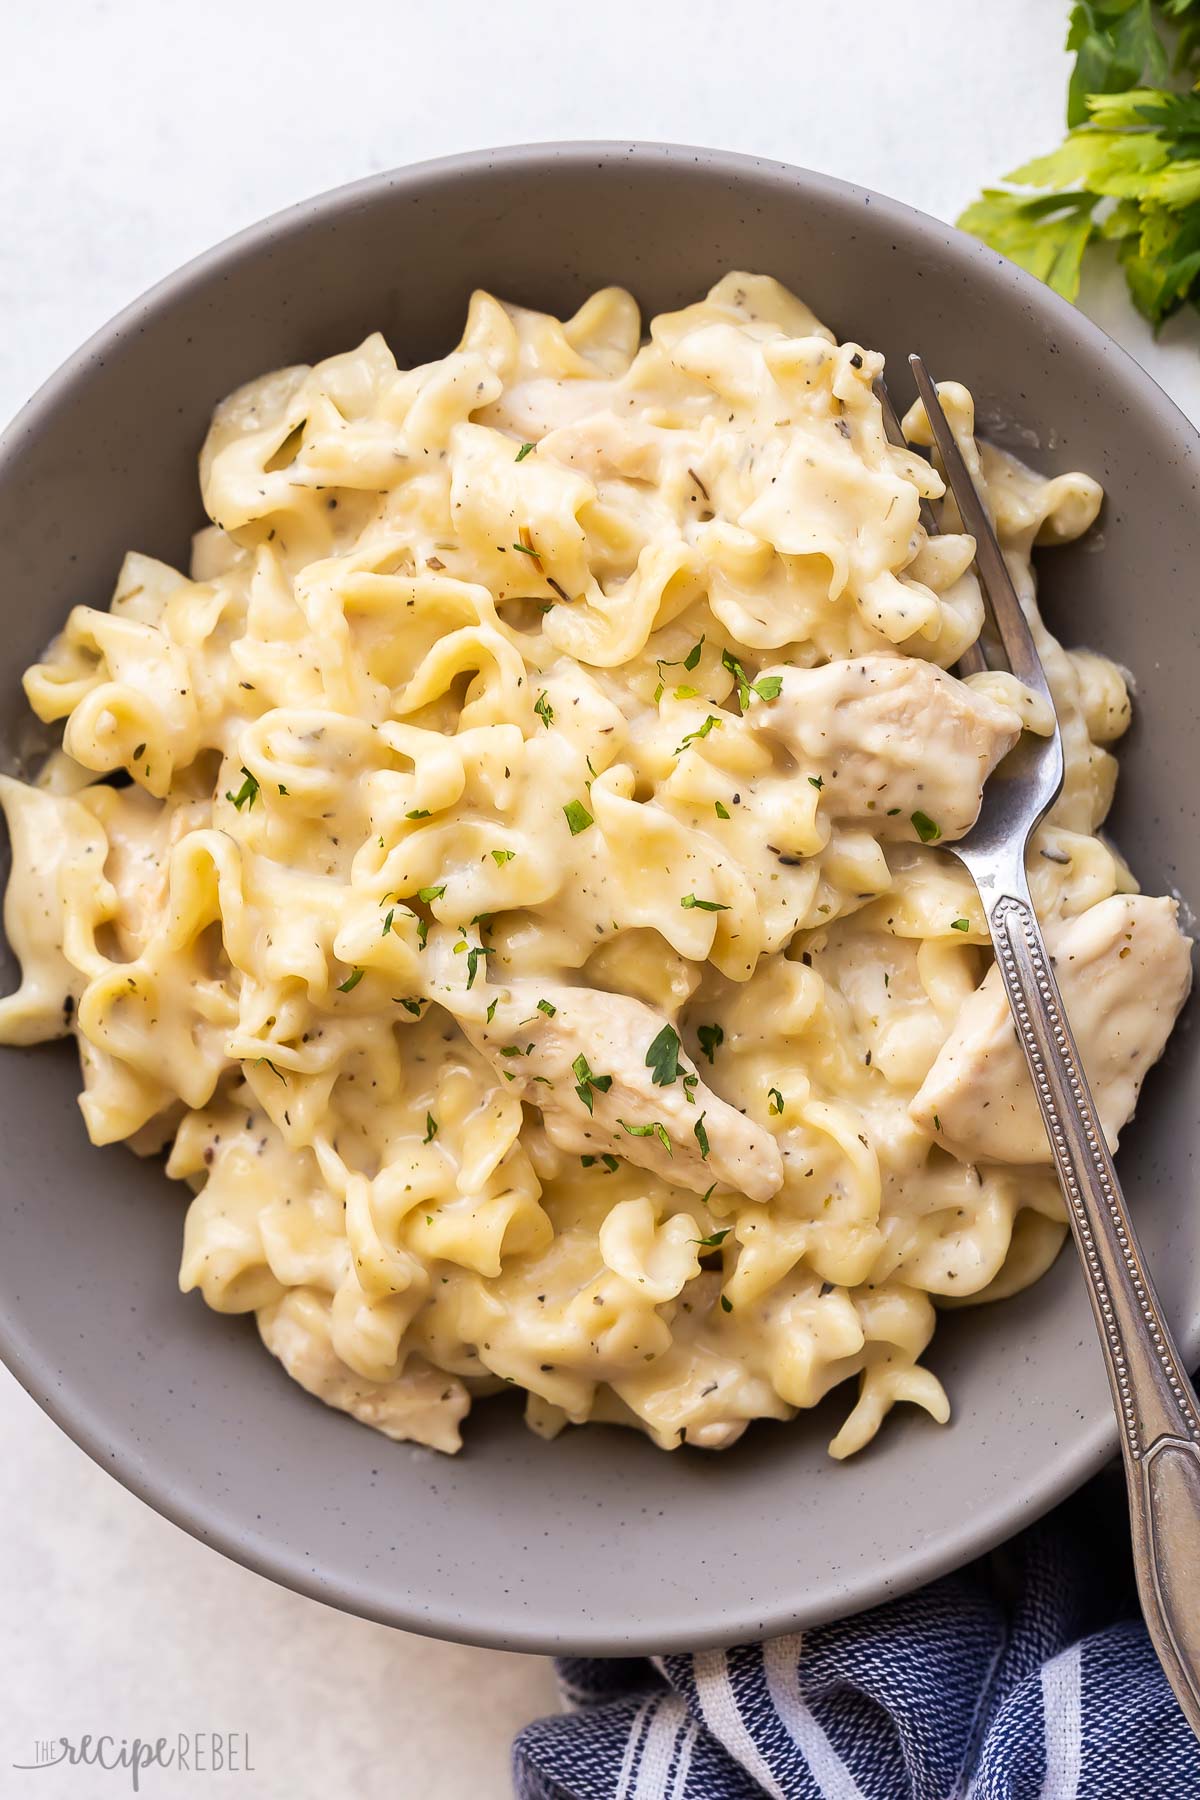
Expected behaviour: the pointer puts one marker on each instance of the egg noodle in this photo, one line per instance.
(506, 874)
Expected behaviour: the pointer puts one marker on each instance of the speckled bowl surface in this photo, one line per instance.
(597, 1541)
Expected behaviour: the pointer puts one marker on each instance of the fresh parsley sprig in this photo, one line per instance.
(1127, 173)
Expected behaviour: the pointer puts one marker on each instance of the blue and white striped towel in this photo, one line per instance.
(1028, 1676)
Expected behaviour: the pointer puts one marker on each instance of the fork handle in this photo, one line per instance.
(1156, 1404)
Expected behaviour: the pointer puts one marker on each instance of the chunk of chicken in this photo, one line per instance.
(421, 1406)
(890, 738)
(1124, 968)
(536, 1037)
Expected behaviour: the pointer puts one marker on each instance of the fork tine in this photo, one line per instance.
(972, 661)
(1010, 620)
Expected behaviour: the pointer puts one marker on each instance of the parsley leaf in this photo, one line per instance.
(523, 452)
(960, 924)
(431, 1129)
(925, 827)
(774, 1101)
(766, 687)
(722, 811)
(655, 1128)
(690, 903)
(587, 1081)
(692, 659)
(431, 893)
(543, 709)
(500, 857)
(710, 1038)
(475, 954)
(1046, 233)
(578, 817)
(662, 1058)
(246, 795)
(714, 1238)
(351, 982)
(701, 731)
(700, 1135)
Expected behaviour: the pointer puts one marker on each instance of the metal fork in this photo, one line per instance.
(1156, 1405)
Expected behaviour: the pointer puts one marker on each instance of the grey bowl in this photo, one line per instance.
(595, 1542)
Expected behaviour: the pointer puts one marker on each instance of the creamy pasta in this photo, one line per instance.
(506, 874)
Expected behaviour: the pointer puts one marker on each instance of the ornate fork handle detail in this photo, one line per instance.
(1155, 1401)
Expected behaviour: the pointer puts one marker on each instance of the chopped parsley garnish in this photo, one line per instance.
(474, 955)
(766, 687)
(726, 1303)
(774, 1101)
(247, 794)
(547, 1007)
(543, 709)
(422, 933)
(577, 816)
(387, 923)
(586, 1081)
(418, 812)
(701, 731)
(610, 1162)
(926, 829)
(266, 1059)
(500, 857)
(139, 752)
(700, 1135)
(352, 980)
(523, 452)
(491, 1011)
(937, 1123)
(528, 550)
(714, 1238)
(412, 1006)
(284, 791)
(960, 924)
(691, 904)
(686, 693)
(662, 1058)
(722, 811)
(709, 1038)
(431, 1129)
(816, 781)
(692, 658)
(654, 1129)
(431, 893)
(659, 691)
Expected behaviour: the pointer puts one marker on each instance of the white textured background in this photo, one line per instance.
(133, 134)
